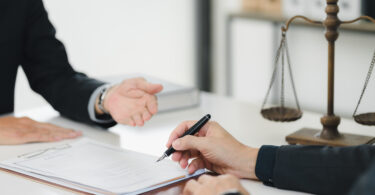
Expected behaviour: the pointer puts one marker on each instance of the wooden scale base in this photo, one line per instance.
(308, 136)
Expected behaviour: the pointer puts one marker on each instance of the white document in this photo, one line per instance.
(98, 168)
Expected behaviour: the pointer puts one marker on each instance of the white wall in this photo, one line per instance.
(251, 68)
(111, 37)
(221, 8)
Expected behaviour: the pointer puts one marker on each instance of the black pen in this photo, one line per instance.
(192, 131)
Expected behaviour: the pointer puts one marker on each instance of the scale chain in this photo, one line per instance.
(291, 74)
(282, 97)
(366, 83)
(275, 70)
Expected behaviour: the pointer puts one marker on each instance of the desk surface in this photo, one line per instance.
(241, 119)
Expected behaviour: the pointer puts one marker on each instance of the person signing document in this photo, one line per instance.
(312, 169)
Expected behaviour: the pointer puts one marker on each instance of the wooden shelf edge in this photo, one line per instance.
(359, 27)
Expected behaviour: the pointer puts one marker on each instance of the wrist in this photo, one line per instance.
(249, 162)
(100, 99)
(97, 109)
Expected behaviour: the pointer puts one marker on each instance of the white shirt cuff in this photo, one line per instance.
(91, 107)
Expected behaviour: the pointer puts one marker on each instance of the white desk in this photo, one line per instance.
(241, 119)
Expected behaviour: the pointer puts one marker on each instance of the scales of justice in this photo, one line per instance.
(329, 135)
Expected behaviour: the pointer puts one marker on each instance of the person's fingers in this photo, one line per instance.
(190, 142)
(55, 133)
(37, 134)
(79, 133)
(152, 104)
(57, 129)
(176, 156)
(156, 88)
(194, 153)
(204, 179)
(148, 87)
(203, 131)
(184, 161)
(146, 115)
(195, 165)
(131, 122)
(125, 120)
(138, 119)
(179, 131)
(59, 132)
(27, 130)
(128, 120)
(183, 127)
(190, 187)
(39, 137)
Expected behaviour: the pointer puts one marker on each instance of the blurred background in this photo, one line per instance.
(220, 46)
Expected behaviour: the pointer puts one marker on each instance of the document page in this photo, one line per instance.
(101, 166)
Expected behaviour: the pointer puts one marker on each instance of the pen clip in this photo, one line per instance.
(40, 152)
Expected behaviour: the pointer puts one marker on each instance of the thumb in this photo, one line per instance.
(189, 142)
(155, 88)
(149, 87)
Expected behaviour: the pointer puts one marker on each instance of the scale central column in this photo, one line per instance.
(332, 23)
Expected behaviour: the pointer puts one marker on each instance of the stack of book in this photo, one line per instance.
(173, 97)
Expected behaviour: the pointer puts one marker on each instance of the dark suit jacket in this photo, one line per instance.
(27, 39)
(318, 169)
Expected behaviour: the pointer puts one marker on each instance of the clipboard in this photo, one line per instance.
(54, 185)
(33, 179)
(72, 185)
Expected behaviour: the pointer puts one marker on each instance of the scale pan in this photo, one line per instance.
(365, 119)
(281, 114)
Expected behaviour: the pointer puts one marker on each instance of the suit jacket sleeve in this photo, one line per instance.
(365, 185)
(313, 169)
(48, 70)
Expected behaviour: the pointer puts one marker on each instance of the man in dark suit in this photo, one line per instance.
(27, 39)
(312, 169)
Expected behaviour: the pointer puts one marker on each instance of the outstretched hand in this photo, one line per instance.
(133, 101)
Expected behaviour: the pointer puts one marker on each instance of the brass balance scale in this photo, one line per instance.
(330, 134)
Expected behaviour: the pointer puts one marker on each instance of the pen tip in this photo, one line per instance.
(161, 158)
(208, 116)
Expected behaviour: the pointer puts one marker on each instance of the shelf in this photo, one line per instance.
(361, 26)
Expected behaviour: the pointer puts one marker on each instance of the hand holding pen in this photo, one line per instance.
(214, 149)
(191, 131)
